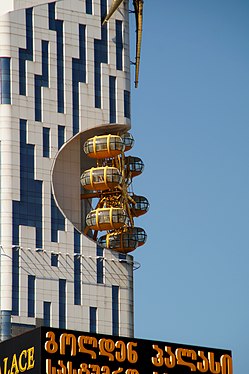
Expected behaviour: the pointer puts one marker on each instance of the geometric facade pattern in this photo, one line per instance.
(61, 73)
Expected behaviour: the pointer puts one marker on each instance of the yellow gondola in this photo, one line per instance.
(104, 146)
(106, 219)
(128, 141)
(123, 241)
(141, 207)
(134, 166)
(141, 236)
(101, 178)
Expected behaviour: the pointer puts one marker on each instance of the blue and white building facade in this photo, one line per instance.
(63, 78)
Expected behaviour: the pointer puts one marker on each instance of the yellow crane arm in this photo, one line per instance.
(113, 8)
(138, 6)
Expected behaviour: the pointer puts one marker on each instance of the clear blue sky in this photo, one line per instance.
(190, 119)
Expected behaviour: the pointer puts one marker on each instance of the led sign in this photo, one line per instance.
(56, 351)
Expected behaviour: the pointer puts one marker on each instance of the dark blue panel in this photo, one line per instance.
(100, 265)
(54, 259)
(61, 136)
(127, 104)
(31, 295)
(26, 54)
(78, 75)
(122, 256)
(46, 142)
(41, 81)
(5, 94)
(57, 25)
(57, 220)
(46, 313)
(5, 316)
(89, 6)
(115, 310)
(27, 211)
(112, 98)
(93, 320)
(103, 8)
(15, 281)
(62, 303)
(100, 56)
(77, 277)
(119, 45)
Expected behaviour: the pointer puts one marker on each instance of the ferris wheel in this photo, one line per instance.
(109, 182)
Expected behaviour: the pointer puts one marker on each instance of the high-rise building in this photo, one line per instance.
(64, 77)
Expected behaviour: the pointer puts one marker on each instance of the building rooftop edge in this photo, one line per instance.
(11, 5)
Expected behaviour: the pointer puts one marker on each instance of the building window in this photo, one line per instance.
(31, 296)
(5, 80)
(28, 210)
(93, 320)
(100, 56)
(119, 45)
(57, 25)
(112, 99)
(57, 220)
(46, 142)
(89, 7)
(61, 136)
(26, 54)
(100, 265)
(127, 105)
(46, 313)
(78, 75)
(15, 281)
(41, 81)
(54, 259)
(62, 303)
(115, 310)
(103, 8)
(77, 277)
